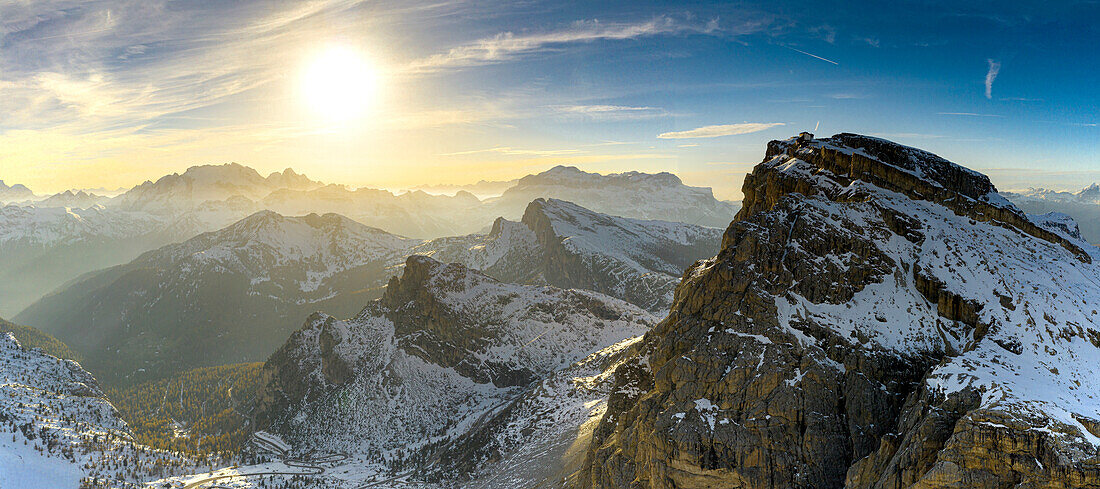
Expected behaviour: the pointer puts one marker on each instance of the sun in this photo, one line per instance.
(339, 84)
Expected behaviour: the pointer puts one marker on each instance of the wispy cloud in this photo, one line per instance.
(720, 130)
(507, 45)
(610, 112)
(990, 76)
(969, 114)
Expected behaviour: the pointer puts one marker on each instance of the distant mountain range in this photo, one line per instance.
(1083, 205)
(877, 317)
(72, 233)
(874, 316)
(257, 278)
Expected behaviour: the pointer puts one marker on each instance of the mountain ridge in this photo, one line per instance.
(863, 327)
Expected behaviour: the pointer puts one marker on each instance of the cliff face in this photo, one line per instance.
(635, 260)
(877, 317)
(441, 351)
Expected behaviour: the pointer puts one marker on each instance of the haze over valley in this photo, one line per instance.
(344, 244)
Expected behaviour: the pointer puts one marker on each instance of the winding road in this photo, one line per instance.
(311, 467)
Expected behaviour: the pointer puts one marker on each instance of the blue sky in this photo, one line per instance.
(113, 93)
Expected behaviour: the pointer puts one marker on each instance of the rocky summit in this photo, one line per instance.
(447, 358)
(877, 317)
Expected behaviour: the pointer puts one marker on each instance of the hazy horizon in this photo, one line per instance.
(398, 94)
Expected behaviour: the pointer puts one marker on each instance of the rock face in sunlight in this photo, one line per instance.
(449, 361)
(877, 317)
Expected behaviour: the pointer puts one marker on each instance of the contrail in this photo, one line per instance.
(817, 126)
(814, 55)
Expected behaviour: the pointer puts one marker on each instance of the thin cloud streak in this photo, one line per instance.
(994, 69)
(720, 130)
(827, 60)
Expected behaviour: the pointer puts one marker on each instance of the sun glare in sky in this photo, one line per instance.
(339, 84)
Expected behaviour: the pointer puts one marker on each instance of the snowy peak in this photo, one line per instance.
(575, 177)
(879, 317)
(842, 166)
(290, 179)
(278, 240)
(14, 193)
(444, 347)
(1090, 194)
(920, 163)
(661, 196)
(1060, 223)
(198, 184)
(637, 260)
(78, 199)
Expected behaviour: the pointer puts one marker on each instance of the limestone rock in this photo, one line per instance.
(877, 317)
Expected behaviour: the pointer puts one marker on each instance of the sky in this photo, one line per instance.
(109, 94)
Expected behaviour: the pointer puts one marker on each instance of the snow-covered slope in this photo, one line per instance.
(59, 430)
(1083, 206)
(566, 245)
(878, 316)
(444, 348)
(206, 198)
(260, 275)
(221, 297)
(638, 195)
(636, 260)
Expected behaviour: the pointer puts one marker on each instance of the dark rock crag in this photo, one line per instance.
(737, 388)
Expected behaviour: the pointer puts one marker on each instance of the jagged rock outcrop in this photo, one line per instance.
(877, 317)
(442, 351)
(565, 245)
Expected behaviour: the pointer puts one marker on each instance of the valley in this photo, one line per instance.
(564, 345)
(377, 244)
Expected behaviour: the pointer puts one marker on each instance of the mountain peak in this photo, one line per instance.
(850, 166)
(862, 153)
(420, 274)
(879, 317)
(1092, 191)
(571, 175)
